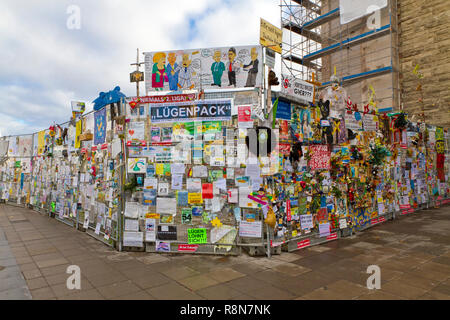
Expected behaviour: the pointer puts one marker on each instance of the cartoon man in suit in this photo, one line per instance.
(171, 73)
(217, 69)
(232, 66)
(186, 73)
(252, 68)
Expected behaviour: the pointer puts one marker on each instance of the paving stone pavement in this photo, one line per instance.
(413, 253)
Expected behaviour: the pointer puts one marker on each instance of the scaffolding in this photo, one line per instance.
(314, 41)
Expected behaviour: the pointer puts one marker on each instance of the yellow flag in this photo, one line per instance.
(77, 134)
(41, 142)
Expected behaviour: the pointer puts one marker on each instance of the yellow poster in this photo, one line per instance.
(195, 198)
(41, 142)
(270, 36)
(77, 134)
(152, 215)
(159, 169)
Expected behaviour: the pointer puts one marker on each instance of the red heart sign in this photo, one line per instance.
(131, 132)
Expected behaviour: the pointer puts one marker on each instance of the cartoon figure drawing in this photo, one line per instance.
(159, 73)
(217, 69)
(253, 71)
(305, 117)
(232, 66)
(186, 73)
(172, 74)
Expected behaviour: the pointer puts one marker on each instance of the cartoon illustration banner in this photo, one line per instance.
(100, 126)
(210, 68)
(204, 110)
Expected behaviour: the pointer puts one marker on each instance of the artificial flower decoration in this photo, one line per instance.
(216, 222)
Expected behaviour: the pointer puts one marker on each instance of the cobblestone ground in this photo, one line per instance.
(413, 253)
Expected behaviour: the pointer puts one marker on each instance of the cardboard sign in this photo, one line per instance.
(197, 236)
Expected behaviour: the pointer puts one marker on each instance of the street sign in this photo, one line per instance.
(136, 76)
(270, 58)
(270, 36)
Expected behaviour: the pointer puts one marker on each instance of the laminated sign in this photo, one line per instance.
(217, 110)
(197, 236)
(250, 229)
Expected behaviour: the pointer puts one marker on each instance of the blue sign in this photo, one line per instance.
(283, 110)
(205, 110)
(100, 126)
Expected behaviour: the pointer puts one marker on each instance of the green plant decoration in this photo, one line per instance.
(336, 192)
(377, 155)
(130, 186)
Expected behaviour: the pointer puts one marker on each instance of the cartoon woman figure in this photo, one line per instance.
(305, 117)
(159, 74)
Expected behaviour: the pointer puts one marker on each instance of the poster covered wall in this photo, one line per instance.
(209, 68)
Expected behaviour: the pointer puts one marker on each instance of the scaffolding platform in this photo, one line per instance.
(384, 30)
(315, 42)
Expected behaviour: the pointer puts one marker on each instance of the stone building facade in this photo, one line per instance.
(424, 39)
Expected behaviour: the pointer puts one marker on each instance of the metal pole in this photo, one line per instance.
(121, 183)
